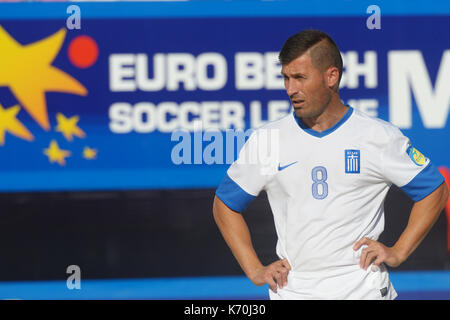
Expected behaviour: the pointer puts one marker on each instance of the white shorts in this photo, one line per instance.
(349, 283)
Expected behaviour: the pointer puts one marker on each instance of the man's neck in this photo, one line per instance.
(328, 118)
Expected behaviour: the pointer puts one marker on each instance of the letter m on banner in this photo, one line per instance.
(408, 73)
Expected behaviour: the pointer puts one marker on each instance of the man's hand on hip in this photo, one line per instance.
(275, 275)
(375, 252)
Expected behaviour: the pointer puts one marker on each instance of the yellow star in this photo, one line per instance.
(27, 71)
(9, 123)
(89, 153)
(68, 126)
(55, 154)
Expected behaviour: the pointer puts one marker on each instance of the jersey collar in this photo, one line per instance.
(324, 133)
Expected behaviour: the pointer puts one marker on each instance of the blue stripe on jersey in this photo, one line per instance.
(233, 195)
(423, 184)
(324, 133)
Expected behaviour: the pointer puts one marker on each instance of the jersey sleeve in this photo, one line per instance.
(408, 168)
(246, 177)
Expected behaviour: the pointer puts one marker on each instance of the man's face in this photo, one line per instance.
(305, 86)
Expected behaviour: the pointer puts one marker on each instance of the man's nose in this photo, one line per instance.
(291, 88)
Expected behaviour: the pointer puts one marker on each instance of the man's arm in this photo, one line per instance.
(424, 214)
(235, 231)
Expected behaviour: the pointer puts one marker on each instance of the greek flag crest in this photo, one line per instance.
(352, 161)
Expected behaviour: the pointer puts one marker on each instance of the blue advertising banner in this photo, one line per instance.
(153, 95)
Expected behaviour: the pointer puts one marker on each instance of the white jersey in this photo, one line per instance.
(326, 191)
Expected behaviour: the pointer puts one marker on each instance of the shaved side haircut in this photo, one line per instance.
(323, 50)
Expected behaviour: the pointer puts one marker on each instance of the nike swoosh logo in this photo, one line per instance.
(284, 167)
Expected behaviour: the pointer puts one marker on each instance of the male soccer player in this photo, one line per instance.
(326, 184)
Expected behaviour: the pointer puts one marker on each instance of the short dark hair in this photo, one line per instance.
(322, 56)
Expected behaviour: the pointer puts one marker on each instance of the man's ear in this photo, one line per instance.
(332, 77)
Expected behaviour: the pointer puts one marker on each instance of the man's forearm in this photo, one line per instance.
(422, 218)
(236, 234)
